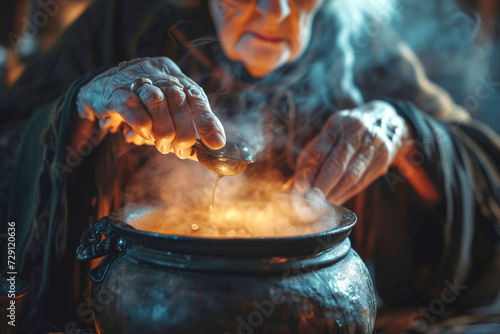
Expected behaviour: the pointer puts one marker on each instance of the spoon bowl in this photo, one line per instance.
(232, 159)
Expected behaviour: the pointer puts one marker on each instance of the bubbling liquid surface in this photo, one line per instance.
(245, 206)
(283, 216)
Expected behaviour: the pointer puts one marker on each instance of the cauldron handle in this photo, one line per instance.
(92, 246)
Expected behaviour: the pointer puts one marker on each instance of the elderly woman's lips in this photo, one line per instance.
(271, 39)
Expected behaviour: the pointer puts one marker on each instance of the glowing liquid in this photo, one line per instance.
(212, 205)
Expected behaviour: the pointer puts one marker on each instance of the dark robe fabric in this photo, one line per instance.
(66, 175)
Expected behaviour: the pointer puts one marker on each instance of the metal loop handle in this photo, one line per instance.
(91, 245)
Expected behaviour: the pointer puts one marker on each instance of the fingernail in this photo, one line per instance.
(185, 153)
(217, 140)
(147, 135)
(165, 148)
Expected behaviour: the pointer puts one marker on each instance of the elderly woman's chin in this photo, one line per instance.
(259, 61)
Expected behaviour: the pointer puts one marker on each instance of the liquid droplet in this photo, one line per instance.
(212, 206)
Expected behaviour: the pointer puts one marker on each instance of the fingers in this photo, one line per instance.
(131, 109)
(335, 165)
(310, 162)
(368, 164)
(111, 123)
(363, 142)
(207, 124)
(185, 133)
(175, 113)
(353, 170)
(169, 113)
(184, 96)
(325, 160)
(340, 163)
(132, 137)
(156, 105)
(361, 171)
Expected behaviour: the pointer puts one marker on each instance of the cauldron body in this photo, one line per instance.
(151, 283)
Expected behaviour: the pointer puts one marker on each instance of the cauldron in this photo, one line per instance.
(155, 283)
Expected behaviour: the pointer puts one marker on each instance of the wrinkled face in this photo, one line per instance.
(264, 34)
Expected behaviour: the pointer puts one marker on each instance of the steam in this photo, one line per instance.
(439, 27)
(319, 83)
(455, 51)
(324, 79)
(244, 206)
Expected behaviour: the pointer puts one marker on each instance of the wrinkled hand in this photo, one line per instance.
(166, 114)
(354, 148)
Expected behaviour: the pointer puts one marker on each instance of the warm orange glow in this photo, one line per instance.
(255, 209)
(14, 67)
(417, 177)
(72, 11)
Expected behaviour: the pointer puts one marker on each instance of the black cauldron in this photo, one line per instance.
(155, 283)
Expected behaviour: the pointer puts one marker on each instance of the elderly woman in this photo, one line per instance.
(360, 121)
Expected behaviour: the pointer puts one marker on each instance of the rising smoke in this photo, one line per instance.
(245, 206)
(456, 53)
(442, 35)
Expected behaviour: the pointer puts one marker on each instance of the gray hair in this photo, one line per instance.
(340, 30)
(356, 13)
(357, 24)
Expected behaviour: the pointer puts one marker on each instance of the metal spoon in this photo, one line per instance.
(230, 160)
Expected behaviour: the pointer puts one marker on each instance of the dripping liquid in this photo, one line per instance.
(214, 188)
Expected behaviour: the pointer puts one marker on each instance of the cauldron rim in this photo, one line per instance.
(301, 245)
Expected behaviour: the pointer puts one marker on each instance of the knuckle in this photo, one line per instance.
(166, 138)
(206, 124)
(152, 96)
(141, 121)
(185, 140)
(197, 93)
(343, 150)
(354, 142)
(174, 79)
(167, 80)
(318, 155)
(335, 165)
(350, 177)
(309, 171)
(131, 101)
(186, 133)
(176, 95)
(165, 132)
(360, 167)
(364, 159)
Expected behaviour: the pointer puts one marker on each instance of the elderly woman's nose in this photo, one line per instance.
(277, 9)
